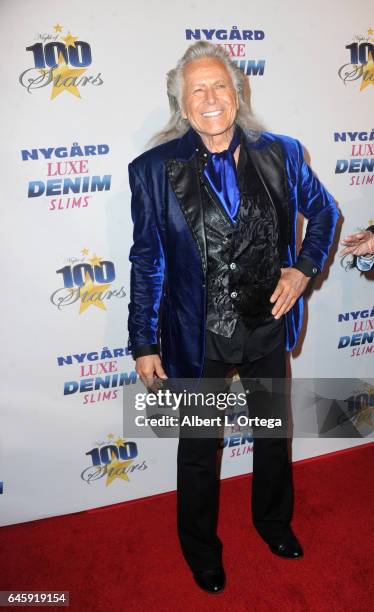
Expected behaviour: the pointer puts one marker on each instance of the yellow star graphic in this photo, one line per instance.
(69, 40)
(57, 27)
(120, 442)
(90, 295)
(64, 78)
(115, 469)
(95, 260)
(368, 73)
(44, 70)
(364, 417)
(370, 31)
(84, 251)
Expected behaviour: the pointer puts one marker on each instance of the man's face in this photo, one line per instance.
(209, 100)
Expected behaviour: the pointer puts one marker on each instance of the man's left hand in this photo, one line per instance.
(291, 285)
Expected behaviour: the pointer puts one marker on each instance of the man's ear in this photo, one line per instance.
(183, 114)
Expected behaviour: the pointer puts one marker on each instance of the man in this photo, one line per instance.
(214, 209)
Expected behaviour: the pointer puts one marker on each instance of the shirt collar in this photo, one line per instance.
(201, 150)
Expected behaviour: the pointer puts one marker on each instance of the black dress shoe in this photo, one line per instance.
(212, 581)
(289, 549)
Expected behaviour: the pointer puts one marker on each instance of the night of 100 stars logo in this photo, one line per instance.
(353, 415)
(87, 281)
(361, 408)
(61, 61)
(113, 459)
(361, 61)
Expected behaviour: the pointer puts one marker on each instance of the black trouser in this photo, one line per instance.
(198, 481)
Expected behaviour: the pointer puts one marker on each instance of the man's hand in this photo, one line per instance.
(361, 243)
(291, 285)
(149, 369)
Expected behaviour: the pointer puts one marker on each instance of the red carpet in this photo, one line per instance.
(127, 557)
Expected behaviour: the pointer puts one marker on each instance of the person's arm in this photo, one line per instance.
(318, 206)
(146, 280)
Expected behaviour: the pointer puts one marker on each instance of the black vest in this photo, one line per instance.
(243, 259)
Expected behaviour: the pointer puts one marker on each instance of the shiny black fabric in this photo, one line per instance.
(245, 346)
(243, 258)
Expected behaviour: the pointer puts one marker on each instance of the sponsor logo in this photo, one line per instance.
(97, 374)
(67, 182)
(238, 439)
(349, 417)
(88, 281)
(237, 42)
(360, 407)
(239, 443)
(113, 459)
(60, 62)
(360, 336)
(357, 163)
(360, 64)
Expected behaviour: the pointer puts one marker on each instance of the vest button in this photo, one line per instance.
(233, 266)
(234, 295)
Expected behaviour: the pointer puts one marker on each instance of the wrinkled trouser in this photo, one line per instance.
(198, 481)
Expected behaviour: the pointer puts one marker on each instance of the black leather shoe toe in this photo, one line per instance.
(289, 549)
(212, 581)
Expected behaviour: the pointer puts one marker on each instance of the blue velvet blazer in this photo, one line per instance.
(168, 256)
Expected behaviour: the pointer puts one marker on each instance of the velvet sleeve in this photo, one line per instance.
(317, 205)
(147, 270)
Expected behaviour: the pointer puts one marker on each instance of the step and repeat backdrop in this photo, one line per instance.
(83, 90)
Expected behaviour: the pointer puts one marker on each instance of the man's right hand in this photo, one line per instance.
(149, 369)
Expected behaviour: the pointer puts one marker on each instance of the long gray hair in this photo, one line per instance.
(177, 126)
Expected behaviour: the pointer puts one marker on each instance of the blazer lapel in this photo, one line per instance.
(184, 178)
(183, 175)
(269, 164)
